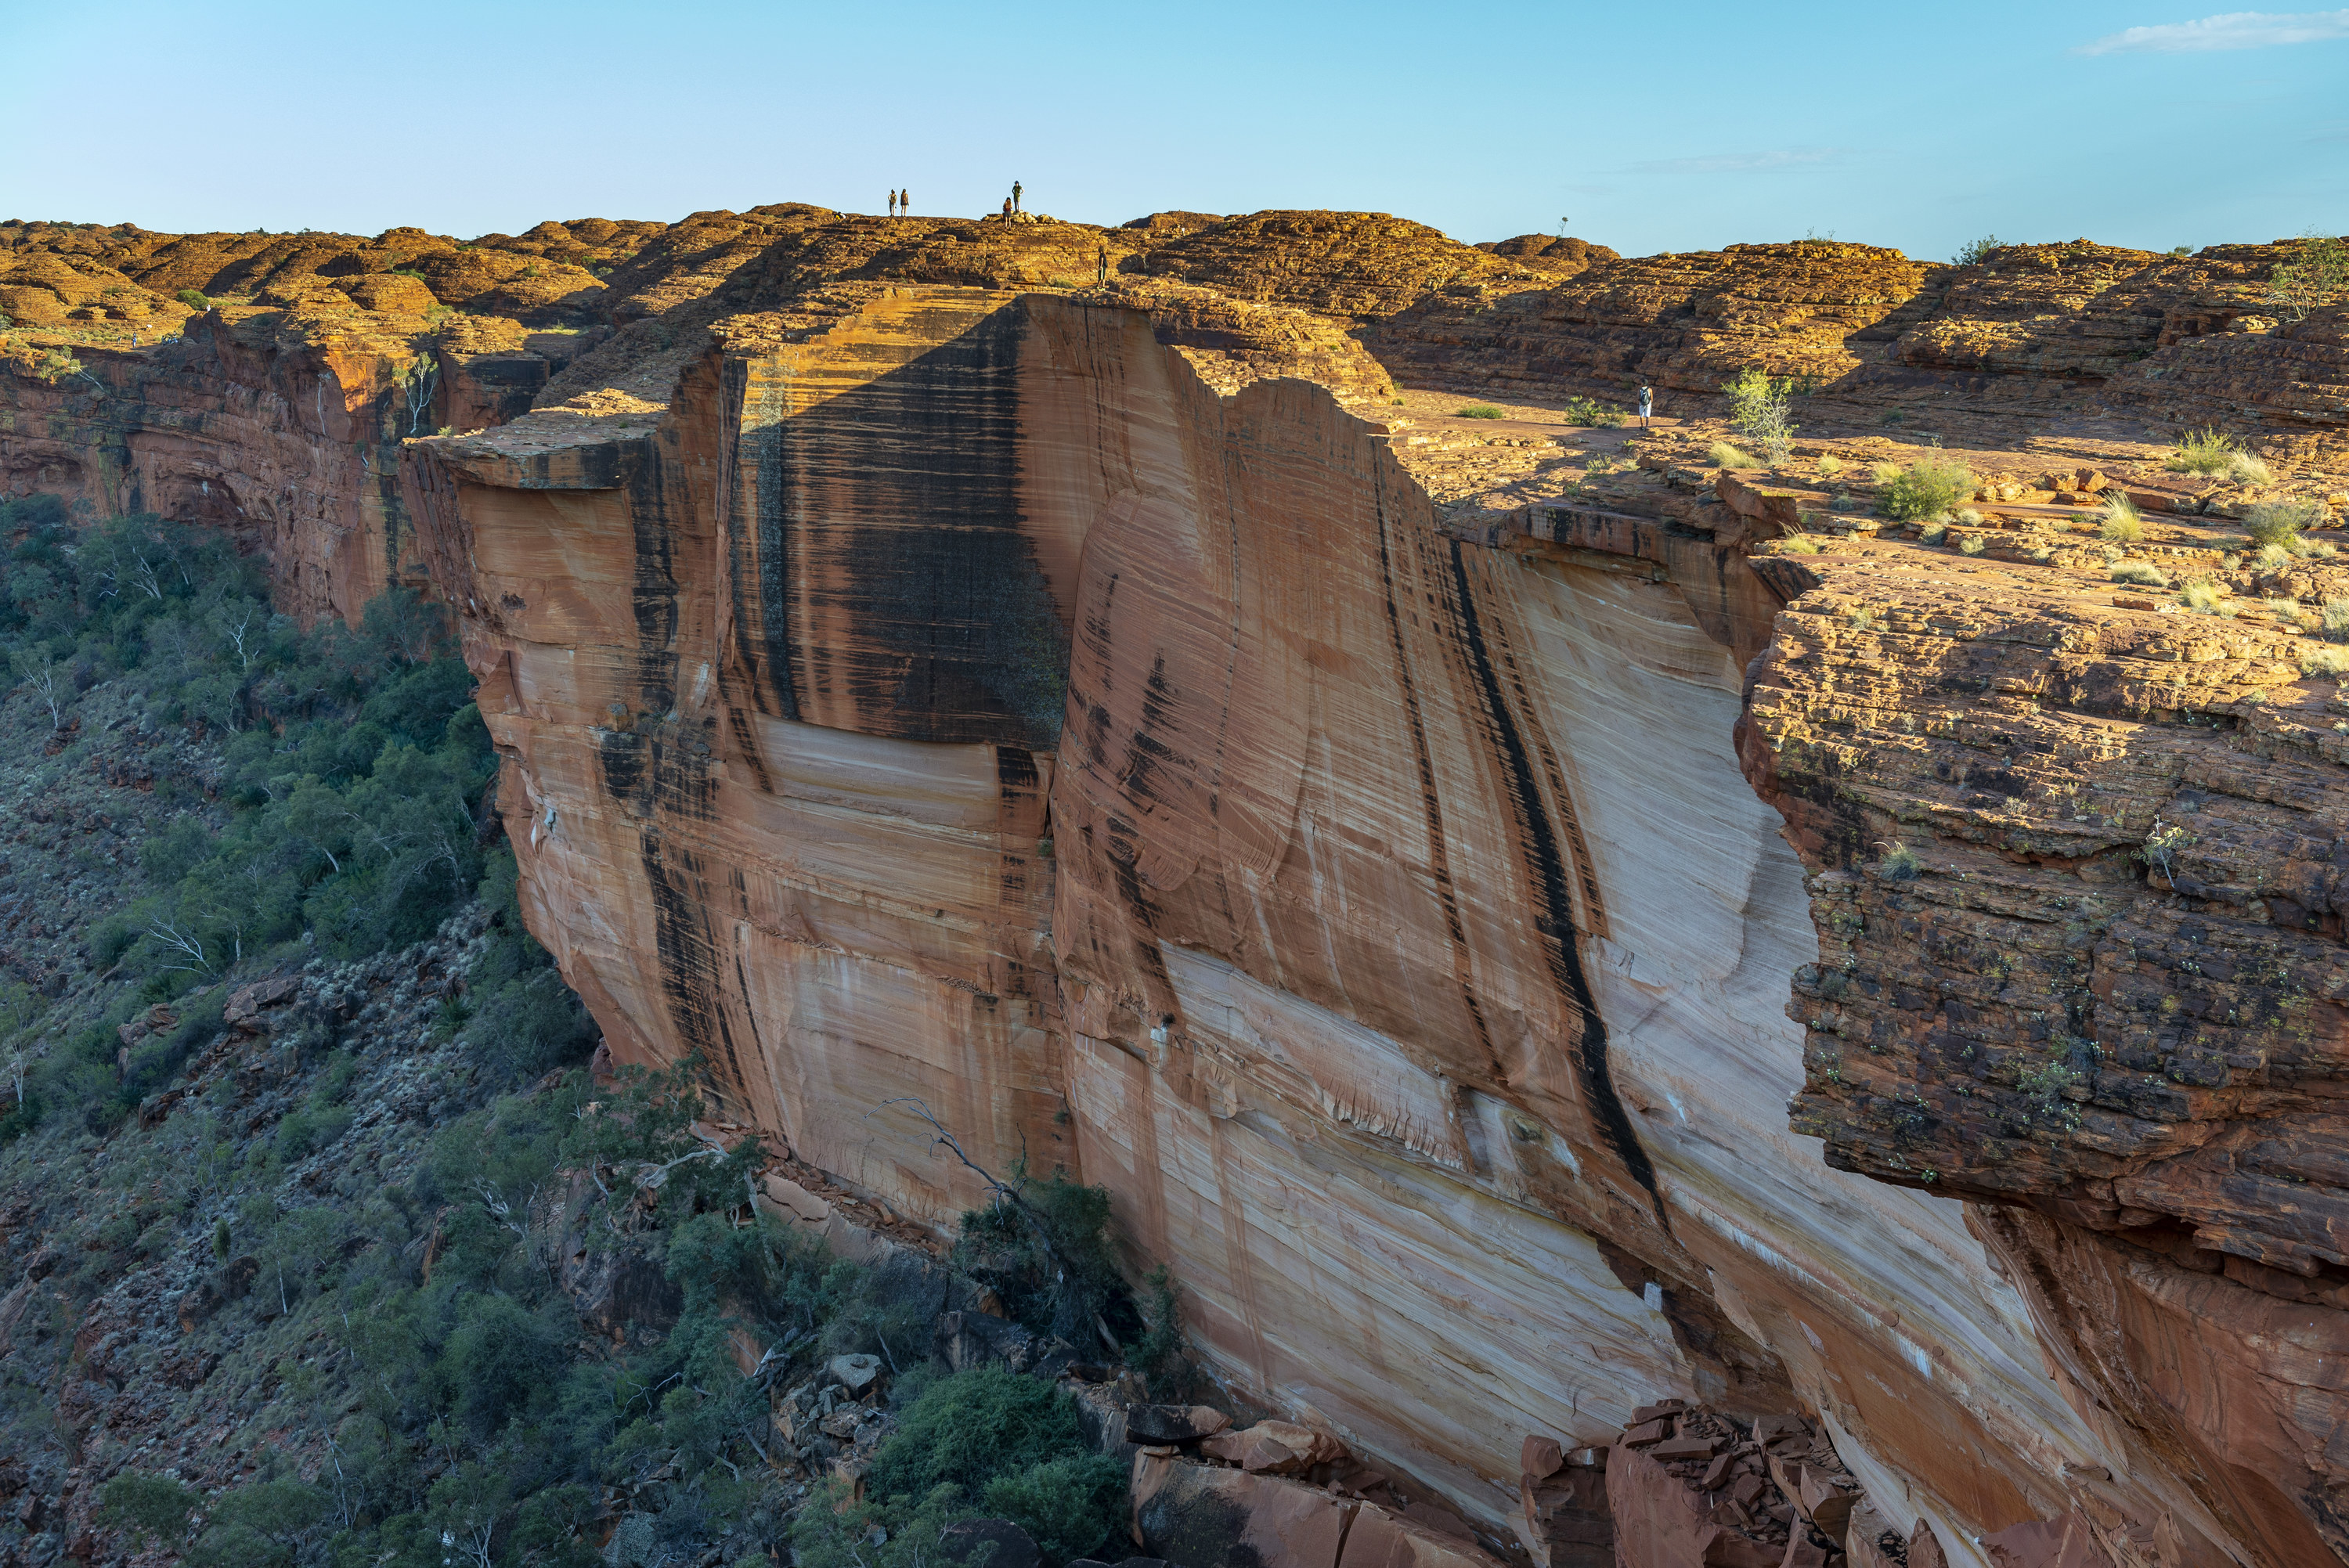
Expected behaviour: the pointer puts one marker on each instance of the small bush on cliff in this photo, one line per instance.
(1477, 411)
(1926, 488)
(1760, 406)
(194, 300)
(2317, 275)
(1974, 253)
(1899, 862)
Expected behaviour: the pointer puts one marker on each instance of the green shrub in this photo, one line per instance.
(150, 1505)
(1477, 411)
(2279, 524)
(1933, 533)
(1899, 862)
(1926, 488)
(1045, 1250)
(1972, 544)
(264, 1525)
(194, 300)
(2317, 272)
(971, 1427)
(1974, 253)
(1725, 456)
(2206, 451)
(1759, 405)
(2120, 520)
(1590, 414)
(1067, 1506)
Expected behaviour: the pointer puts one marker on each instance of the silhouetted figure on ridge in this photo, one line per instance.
(893, 203)
(1015, 195)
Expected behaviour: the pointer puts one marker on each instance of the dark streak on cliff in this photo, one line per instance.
(1552, 902)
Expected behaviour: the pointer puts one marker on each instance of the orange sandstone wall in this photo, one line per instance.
(964, 704)
(290, 447)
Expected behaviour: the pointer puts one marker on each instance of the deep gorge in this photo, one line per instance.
(1076, 716)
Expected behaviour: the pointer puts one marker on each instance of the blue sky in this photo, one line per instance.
(1654, 126)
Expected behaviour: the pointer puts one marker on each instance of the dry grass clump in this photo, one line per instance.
(2139, 572)
(2203, 452)
(2205, 597)
(2326, 661)
(2120, 522)
(1727, 456)
(2278, 523)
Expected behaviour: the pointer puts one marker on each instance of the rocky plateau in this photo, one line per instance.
(1696, 1020)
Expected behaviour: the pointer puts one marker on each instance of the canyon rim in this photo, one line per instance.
(1530, 919)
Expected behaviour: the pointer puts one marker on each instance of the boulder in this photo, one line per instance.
(1380, 1539)
(1278, 1448)
(1199, 1516)
(1661, 1523)
(246, 1004)
(855, 1373)
(1173, 1423)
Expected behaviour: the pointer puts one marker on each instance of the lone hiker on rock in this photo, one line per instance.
(1101, 279)
(893, 203)
(1647, 403)
(1015, 195)
(905, 203)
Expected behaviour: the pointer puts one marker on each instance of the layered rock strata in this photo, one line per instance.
(945, 693)
(950, 714)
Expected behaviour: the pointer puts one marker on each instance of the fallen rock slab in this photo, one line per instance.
(1203, 1516)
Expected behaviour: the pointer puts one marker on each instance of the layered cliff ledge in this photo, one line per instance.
(955, 701)
(931, 688)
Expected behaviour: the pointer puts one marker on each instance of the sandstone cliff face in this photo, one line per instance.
(951, 701)
(936, 685)
(2143, 1045)
(287, 442)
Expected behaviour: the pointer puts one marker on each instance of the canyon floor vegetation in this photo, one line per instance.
(326, 1245)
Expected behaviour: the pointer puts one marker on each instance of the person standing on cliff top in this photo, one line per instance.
(1101, 281)
(905, 203)
(893, 203)
(1647, 403)
(1007, 208)
(1015, 195)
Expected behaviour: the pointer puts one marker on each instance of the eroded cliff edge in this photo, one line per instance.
(954, 699)
(918, 685)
